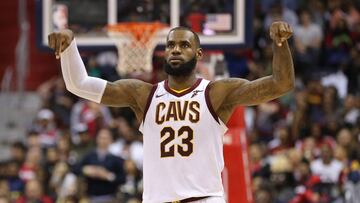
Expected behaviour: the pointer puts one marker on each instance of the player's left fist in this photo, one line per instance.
(280, 32)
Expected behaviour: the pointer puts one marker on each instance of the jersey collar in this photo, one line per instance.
(180, 94)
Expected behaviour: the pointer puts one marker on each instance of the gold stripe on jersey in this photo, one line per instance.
(179, 91)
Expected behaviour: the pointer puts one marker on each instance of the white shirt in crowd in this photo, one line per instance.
(328, 173)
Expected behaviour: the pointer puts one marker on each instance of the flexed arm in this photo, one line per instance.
(236, 91)
(131, 92)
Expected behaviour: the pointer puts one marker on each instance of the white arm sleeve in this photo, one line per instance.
(76, 78)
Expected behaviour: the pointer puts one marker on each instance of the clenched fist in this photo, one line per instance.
(280, 31)
(59, 41)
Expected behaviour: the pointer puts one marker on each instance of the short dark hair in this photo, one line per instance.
(196, 36)
(19, 145)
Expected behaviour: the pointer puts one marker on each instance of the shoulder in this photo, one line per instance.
(220, 90)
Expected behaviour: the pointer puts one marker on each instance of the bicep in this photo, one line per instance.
(125, 92)
(248, 93)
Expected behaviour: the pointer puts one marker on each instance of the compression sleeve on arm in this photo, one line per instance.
(76, 78)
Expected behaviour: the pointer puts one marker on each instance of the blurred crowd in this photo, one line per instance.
(304, 147)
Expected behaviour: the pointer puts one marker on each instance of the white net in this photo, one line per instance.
(135, 43)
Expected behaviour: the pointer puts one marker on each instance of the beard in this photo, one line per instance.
(184, 69)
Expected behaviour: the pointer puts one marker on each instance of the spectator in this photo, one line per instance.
(308, 37)
(279, 12)
(132, 189)
(34, 193)
(330, 101)
(347, 140)
(281, 178)
(51, 158)
(282, 141)
(62, 182)
(311, 145)
(92, 115)
(337, 45)
(64, 147)
(83, 142)
(329, 171)
(257, 154)
(266, 118)
(103, 171)
(4, 191)
(31, 169)
(306, 189)
(350, 112)
(16, 185)
(18, 152)
(327, 167)
(352, 67)
(56, 98)
(318, 11)
(126, 146)
(46, 127)
(33, 140)
(352, 184)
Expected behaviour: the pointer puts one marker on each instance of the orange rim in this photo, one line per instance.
(140, 30)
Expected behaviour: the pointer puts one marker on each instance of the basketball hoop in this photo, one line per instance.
(135, 42)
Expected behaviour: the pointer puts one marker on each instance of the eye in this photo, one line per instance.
(185, 45)
(170, 45)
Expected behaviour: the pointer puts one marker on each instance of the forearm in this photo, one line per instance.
(76, 78)
(283, 67)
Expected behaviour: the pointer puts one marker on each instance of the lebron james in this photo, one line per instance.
(182, 118)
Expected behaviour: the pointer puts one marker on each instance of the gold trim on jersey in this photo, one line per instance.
(179, 91)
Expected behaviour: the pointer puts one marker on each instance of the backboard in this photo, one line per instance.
(219, 23)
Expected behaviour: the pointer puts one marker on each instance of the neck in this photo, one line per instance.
(181, 82)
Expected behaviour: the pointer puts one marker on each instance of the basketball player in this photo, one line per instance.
(183, 118)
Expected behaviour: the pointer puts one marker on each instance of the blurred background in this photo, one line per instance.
(303, 147)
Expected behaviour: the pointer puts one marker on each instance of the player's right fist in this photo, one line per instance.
(59, 41)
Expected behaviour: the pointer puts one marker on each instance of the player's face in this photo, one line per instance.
(181, 53)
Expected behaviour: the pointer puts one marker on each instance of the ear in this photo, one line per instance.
(199, 53)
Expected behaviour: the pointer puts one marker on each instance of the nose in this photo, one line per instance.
(176, 50)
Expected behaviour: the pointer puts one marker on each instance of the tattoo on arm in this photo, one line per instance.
(283, 67)
(252, 93)
(262, 90)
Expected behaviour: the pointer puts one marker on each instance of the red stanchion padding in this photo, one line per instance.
(236, 174)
